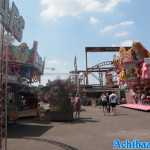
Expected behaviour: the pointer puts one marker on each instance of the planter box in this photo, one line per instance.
(61, 116)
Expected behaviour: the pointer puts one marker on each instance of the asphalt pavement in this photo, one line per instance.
(93, 131)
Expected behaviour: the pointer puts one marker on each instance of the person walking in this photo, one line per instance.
(134, 97)
(77, 106)
(143, 96)
(113, 98)
(104, 103)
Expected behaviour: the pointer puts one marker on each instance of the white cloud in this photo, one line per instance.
(109, 28)
(127, 43)
(112, 4)
(126, 23)
(122, 34)
(53, 9)
(93, 20)
(117, 26)
(52, 62)
(55, 64)
(124, 43)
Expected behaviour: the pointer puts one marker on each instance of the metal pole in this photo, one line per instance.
(1, 89)
(100, 82)
(3, 81)
(6, 94)
(4, 73)
(3, 86)
(5, 47)
(87, 80)
(76, 75)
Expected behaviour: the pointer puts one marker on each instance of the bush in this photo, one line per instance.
(57, 94)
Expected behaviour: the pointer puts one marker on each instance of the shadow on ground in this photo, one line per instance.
(56, 143)
(121, 114)
(31, 129)
(83, 120)
(35, 120)
(116, 115)
(28, 128)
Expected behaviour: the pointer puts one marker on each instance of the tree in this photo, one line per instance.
(57, 93)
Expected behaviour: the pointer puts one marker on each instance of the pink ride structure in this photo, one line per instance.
(133, 71)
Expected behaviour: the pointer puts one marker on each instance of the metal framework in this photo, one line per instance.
(92, 70)
(98, 67)
(10, 22)
(3, 93)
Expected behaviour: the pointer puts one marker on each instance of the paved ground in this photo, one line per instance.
(93, 132)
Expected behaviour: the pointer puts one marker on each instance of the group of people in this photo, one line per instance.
(109, 102)
(139, 97)
(76, 104)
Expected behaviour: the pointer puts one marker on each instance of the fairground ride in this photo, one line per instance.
(103, 72)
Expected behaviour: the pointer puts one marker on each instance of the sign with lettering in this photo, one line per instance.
(11, 19)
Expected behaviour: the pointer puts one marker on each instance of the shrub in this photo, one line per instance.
(57, 94)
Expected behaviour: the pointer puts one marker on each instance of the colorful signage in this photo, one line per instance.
(11, 19)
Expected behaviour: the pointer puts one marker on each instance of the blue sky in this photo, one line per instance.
(64, 28)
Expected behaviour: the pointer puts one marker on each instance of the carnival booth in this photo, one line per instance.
(133, 71)
(25, 67)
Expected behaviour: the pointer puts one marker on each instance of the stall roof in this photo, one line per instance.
(103, 49)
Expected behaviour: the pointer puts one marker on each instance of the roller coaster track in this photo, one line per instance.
(100, 65)
(98, 68)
